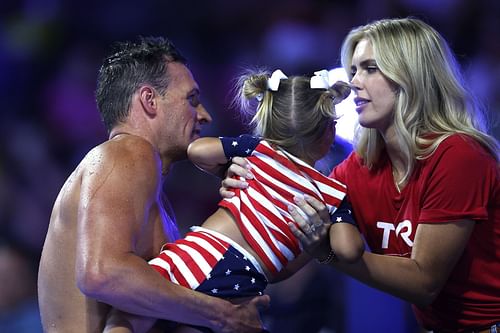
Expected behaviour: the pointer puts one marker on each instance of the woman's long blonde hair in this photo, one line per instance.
(432, 102)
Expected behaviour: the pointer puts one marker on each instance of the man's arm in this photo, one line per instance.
(121, 322)
(117, 193)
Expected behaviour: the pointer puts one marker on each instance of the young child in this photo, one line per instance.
(247, 242)
(294, 127)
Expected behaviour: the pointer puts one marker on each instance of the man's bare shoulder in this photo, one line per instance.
(126, 149)
(127, 157)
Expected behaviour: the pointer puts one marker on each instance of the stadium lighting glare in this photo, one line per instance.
(346, 110)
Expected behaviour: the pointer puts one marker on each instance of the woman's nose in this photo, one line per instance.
(355, 83)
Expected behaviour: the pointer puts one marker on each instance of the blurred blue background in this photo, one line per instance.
(50, 51)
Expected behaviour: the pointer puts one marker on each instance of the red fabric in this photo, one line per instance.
(184, 275)
(459, 181)
(261, 210)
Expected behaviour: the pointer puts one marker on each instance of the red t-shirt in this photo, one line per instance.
(460, 180)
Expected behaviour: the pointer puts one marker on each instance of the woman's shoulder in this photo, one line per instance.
(462, 145)
(462, 153)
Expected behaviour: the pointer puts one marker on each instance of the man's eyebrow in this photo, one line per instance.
(194, 91)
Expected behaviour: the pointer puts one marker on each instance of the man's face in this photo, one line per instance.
(182, 112)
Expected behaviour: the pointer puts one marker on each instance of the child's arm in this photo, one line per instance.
(212, 154)
(345, 240)
(208, 155)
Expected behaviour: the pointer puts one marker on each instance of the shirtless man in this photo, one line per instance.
(111, 215)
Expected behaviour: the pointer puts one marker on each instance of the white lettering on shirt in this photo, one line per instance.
(387, 231)
(402, 229)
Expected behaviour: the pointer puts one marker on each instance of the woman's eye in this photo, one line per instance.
(371, 69)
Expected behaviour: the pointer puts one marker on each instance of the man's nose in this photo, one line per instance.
(202, 115)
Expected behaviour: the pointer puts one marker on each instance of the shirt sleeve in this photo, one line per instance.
(343, 214)
(242, 145)
(462, 182)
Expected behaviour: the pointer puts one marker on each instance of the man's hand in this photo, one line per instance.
(246, 317)
(122, 322)
(238, 171)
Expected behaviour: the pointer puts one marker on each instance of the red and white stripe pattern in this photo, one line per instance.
(189, 261)
(261, 209)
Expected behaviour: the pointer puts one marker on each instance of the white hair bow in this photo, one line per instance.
(274, 81)
(321, 80)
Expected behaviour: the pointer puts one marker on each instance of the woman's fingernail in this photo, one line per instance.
(298, 198)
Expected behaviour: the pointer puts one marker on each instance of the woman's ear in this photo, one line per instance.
(148, 98)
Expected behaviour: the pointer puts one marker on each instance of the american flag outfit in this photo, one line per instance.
(261, 210)
(210, 262)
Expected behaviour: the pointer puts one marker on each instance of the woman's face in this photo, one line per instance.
(375, 94)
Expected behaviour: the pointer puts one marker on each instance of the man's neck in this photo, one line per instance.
(165, 167)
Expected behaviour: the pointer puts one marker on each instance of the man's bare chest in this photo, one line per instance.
(160, 228)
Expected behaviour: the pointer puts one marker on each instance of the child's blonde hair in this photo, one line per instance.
(295, 116)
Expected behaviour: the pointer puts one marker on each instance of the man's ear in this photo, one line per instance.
(148, 98)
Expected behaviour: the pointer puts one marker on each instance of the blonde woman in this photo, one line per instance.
(423, 180)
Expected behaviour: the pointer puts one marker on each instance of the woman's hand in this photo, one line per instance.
(239, 168)
(312, 225)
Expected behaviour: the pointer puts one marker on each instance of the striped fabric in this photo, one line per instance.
(190, 260)
(261, 209)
